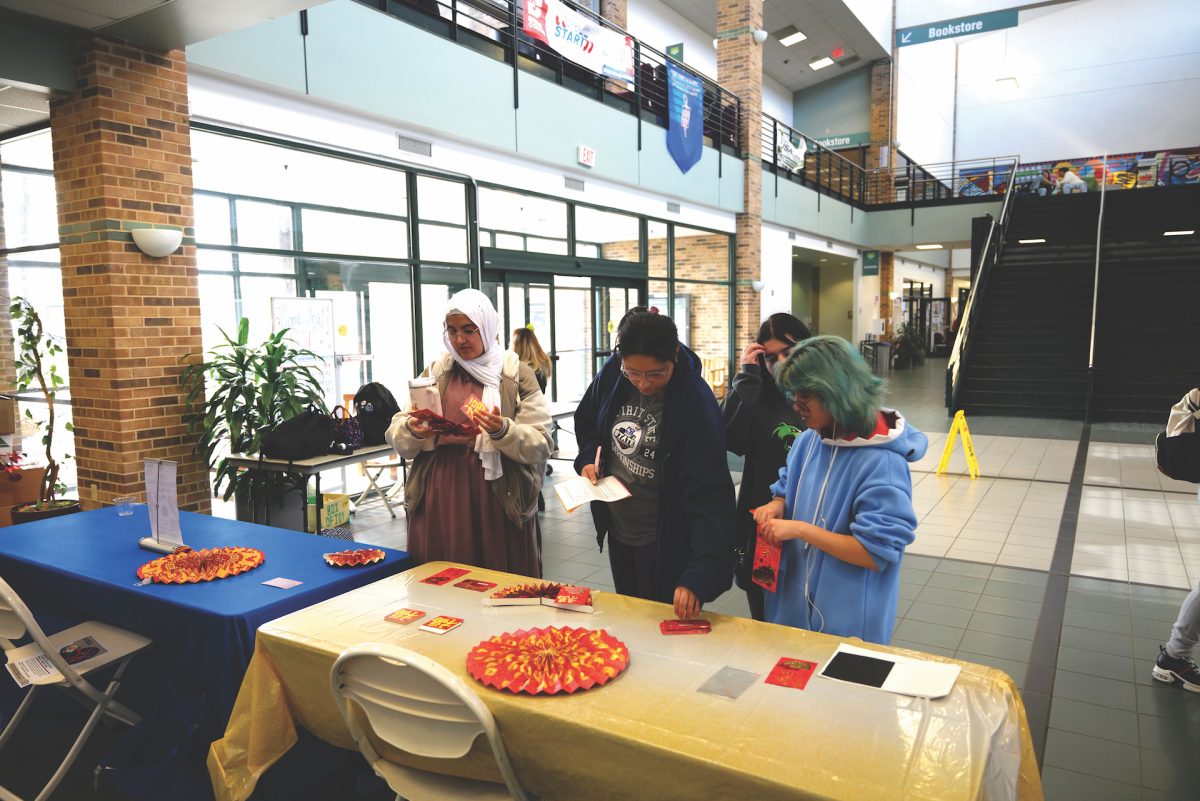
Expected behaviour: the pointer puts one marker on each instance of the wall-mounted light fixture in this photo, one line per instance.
(758, 286)
(157, 242)
(760, 36)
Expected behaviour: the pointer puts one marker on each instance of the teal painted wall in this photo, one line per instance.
(838, 105)
(357, 57)
(35, 56)
(271, 52)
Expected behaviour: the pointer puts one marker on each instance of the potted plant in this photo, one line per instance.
(252, 389)
(34, 351)
(907, 347)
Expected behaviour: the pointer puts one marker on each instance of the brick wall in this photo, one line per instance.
(883, 129)
(887, 265)
(615, 11)
(122, 159)
(739, 69)
(699, 258)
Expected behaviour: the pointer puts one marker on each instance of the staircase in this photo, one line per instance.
(1148, 316)
(1028, 352)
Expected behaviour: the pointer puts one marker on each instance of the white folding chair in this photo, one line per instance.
(16, 622)
(414, 704)
(374, 473)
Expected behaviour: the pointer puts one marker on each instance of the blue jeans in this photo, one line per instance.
(1186, 631)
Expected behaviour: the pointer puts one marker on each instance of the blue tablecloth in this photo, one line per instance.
(84, 566)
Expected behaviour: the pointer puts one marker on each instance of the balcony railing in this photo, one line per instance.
(792, 155)
(493, 27)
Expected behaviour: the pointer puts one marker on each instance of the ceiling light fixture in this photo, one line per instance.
(1178, 233)
(929, 247)
(1030, 241)
(821, 63)
(790, 35)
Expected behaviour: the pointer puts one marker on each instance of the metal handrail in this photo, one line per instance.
(987, 259)
(496, 23)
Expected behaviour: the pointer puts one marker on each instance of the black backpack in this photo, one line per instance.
(1178, 457)
(308, 434)
(374, 407)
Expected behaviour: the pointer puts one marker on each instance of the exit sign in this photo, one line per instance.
(586, 156)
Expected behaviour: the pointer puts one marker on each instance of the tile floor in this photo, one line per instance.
(1064, 565)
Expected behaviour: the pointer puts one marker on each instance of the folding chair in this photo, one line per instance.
(374, 471)
(414, 704)
(16, 622)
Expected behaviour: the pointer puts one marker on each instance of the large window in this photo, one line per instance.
(29, 256)
(275, 221)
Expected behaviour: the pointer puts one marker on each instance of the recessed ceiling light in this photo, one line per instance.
(929, 247)
(790, 35)
(824, 259)
(820, 63)
(1031, 241)
(1178, 233)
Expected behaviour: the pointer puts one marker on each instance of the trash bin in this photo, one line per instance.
(878, 356)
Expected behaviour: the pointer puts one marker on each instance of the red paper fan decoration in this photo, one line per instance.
(548, 661)
(355, 558)
(191, 567)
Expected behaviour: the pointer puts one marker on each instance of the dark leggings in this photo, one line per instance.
(634, 569)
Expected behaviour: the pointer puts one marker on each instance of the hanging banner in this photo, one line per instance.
(685, 126)
(580, 39)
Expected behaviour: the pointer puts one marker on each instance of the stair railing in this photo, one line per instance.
(992, 247)
(1091, 370)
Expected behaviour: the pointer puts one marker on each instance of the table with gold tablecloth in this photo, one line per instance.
(649, 734)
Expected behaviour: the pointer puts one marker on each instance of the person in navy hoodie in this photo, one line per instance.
(843, 507)
(650, 419)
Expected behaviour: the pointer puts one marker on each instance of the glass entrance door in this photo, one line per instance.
(574, 317)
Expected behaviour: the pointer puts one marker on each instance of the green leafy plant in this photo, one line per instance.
(252, 389)
(34, 351)
(907, 346)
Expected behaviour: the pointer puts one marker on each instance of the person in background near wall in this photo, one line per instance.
(1046, 185)
(525, 344)
(843, 508)
(760, 424)
(473, 499)
(1069, 182)
(650, 419)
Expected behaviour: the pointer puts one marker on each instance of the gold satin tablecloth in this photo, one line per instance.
(648, 735)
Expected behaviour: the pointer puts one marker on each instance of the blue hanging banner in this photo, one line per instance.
(685, 126)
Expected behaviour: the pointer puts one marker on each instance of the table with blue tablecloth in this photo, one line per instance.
(84, 566)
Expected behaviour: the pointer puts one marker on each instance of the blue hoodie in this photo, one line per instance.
(868, 494)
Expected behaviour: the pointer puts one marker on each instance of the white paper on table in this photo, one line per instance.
(162, 500)
(908, 676)
(576, 492)
(27, 670)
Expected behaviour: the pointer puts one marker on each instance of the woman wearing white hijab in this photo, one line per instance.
(473, 499)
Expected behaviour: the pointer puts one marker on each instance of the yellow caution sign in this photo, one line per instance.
(959, 427)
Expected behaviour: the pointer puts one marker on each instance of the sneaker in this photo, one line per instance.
(1167, 668)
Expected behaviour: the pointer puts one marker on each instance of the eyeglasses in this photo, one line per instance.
(467, 331)
(640, 375)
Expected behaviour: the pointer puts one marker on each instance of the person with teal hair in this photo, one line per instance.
(842, 508)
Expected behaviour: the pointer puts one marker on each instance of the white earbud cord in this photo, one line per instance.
(808, 561)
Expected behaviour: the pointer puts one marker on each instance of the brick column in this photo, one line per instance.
(616, 12)
(739, 69)
(887, 266)
(122, 160)
(883, 131)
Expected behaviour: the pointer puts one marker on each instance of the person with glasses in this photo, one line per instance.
(842, 507)
(760, 425)
(473, 498)
(650, 419)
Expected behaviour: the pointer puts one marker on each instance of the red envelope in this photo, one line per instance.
(476, 584)
(685, 627)
(765, 572)
(793, 673)
(446, 576)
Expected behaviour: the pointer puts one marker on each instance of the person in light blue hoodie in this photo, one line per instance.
(842, 509)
